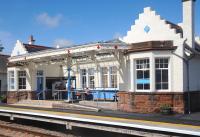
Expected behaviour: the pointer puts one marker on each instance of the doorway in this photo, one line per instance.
(40, 84)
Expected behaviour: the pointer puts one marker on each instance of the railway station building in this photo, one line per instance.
(156, 63)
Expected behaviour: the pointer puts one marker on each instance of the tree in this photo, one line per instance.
(1, 47)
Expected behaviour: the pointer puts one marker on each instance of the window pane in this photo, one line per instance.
(139, 74)
(162, 73)
(113, 76)
(22, 79)
(114, 81)
(165, 75)
(146, 74)
(39, 73)
(91, 81)
(165, 65)
(91, 71)
(104, 76)
(166, 61)
(158, 75)
(105, 81)
(83, 78)
(83, 81)
(104, 70)
(83, 71)
(11, 79)
(140, 86)
(91, 78)
(158, 86)
(146, 86)
(165, 86)
(113, 70)
(143, 74)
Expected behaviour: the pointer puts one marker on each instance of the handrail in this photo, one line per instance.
(55, 93)
(38, 94)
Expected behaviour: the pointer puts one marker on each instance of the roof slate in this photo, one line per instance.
(34, 48)
(176, 27)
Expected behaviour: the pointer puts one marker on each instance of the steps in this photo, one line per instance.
(37, 103)
(81, 106)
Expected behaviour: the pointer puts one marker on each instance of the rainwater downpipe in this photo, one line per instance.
(188, 81)
(188, 74)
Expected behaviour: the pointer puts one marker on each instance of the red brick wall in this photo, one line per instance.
(150, 102)
(15, 96)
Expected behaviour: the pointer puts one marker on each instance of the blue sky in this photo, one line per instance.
(77, 21)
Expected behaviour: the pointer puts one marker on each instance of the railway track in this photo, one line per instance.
(8, 129)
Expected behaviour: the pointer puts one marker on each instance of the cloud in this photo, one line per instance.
(62, 42)
(117, 35)
(49, 21)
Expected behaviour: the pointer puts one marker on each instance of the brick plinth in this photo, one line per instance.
(150, 102)
(15, 96)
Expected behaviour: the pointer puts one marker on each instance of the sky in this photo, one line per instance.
(67, 22)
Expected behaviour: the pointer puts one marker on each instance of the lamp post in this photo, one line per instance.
(69, 85)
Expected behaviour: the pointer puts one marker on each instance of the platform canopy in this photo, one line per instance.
(77, 54)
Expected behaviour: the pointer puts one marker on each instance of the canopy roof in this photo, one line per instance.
(77, 53)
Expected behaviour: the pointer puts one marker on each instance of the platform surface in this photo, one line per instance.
(183, 124)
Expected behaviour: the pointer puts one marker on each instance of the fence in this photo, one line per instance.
(97, 94)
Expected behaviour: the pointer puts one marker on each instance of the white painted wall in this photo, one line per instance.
(175, 70)
(159, 29)
(188, 21)
(194, 76)
(98, 72)
(19, 49)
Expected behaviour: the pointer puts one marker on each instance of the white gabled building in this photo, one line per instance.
(156, 63)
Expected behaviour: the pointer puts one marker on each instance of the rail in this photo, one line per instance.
(8, 129)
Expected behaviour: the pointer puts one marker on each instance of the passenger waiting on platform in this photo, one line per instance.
(87, 91)
(87, 95)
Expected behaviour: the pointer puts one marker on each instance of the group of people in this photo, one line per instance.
(85, 94)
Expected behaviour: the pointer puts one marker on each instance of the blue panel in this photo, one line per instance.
(103, 94)
(142, 81)
(39, 84)
(147, 29)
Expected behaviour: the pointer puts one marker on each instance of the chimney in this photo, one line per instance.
(31, 40)
(188, 21)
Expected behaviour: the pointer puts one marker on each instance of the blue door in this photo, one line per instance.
(40, 84)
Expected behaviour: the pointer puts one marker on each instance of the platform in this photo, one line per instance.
(81, 105)
(108, 120)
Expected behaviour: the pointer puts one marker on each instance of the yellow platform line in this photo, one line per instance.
(89, 116)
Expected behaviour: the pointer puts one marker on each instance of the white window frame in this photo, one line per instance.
(24, 77)
(163, 69)
(39, 76)
(90, 84)
(115, 84)
(135, 78)
(109, 77)
(106, 75)
(9, 80)
(85, 75)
